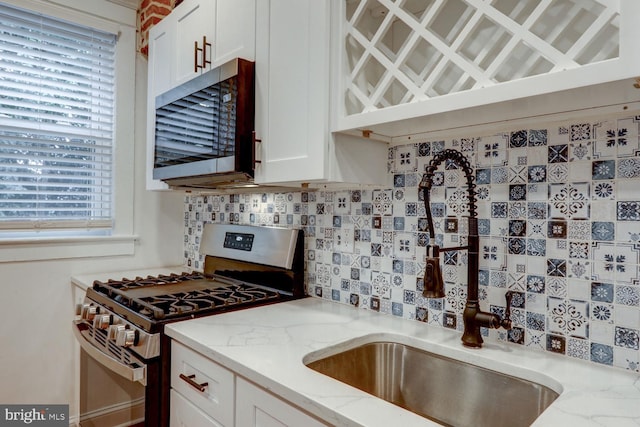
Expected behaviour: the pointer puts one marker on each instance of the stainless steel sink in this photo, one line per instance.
(445, 390)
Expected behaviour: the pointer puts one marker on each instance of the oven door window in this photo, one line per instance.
(200, 126)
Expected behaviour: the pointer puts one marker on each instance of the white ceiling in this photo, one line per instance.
(131, 4)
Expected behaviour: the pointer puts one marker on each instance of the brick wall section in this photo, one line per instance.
(150, 12)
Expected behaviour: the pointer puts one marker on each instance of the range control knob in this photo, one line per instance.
(88, 311)
(126, 337)
(112, 333)
(102, 321)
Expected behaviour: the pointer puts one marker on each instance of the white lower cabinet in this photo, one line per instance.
(206, 394)
(202, 384)
(186, 414)
(257, 407)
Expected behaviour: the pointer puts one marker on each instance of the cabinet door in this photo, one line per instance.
(161, 44)
(256, 407)
(186, 414)
(235, 30)
(195, 19)
(292, 89)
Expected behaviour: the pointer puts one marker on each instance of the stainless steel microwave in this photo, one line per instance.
(203, 128)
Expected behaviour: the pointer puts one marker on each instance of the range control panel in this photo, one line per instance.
(273, 246)
(239, 241)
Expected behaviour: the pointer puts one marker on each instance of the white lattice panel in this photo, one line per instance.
(402, 51)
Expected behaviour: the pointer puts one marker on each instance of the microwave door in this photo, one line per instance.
(186, 135)
(198, 131)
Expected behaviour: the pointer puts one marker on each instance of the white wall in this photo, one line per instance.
(37, 356)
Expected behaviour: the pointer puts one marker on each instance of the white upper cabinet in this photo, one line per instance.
(194, 26)
(406, 59)
(161, 43)
(293, 97)
(292, 89)
(200, 35)
(211, 32)
(235, 30)
(196, 36)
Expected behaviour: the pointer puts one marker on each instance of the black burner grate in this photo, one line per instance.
(165, 297)
(140, 282)
(181, 303)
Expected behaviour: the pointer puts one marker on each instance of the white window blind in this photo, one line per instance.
(56, 123)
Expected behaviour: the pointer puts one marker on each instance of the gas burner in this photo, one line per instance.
(202, 300)
(239, 294)
(179, 303)
(174, 278)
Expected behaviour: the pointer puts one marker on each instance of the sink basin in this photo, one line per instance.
(439, 388)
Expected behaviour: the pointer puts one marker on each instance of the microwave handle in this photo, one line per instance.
(254, 141)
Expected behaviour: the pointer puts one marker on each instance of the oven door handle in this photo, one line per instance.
(132, 374)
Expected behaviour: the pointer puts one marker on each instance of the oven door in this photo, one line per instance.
(117, 359)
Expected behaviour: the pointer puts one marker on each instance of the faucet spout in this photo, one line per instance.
(473, 317)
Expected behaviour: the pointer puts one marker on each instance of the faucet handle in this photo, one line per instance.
(426, 182)
(506, 321)
(433, 251)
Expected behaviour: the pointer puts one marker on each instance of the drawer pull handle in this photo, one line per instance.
(192, 383)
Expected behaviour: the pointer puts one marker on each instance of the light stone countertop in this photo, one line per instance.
(267, 345)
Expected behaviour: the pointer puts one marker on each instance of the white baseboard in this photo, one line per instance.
(118, 415)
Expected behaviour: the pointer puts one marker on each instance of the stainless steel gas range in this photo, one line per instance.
(120, 323)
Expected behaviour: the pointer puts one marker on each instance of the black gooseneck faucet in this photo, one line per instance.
(473, 317)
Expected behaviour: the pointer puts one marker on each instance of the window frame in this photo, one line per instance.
(41, 245)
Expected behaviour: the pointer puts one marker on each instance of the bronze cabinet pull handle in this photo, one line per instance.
(189, 380)
(203, 49)
(254, 140)
(196, 49)
(204, 52)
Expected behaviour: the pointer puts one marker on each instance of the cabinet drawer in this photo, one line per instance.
(206, 384)
(185, 414)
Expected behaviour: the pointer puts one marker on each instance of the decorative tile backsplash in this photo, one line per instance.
(559, 219)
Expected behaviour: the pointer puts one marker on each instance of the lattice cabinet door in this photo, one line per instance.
(409, 58)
